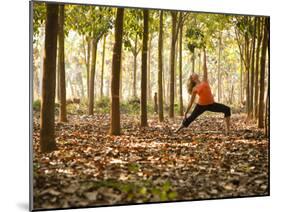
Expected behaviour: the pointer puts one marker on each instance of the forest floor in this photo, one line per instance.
(149, 164)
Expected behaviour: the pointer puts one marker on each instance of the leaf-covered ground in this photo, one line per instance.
(150, 164)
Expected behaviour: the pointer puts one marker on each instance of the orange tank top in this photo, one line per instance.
(203, 90)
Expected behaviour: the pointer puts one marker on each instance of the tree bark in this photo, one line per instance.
(219, 68)
(160, 69)
(256, 101)
(262, 74)
(148, 71)
(121, 80)
(155, 103)
(144, 70)
(58, 71)
(80, 81)
(241, 81)
(199, 62)
(180, 73)
(61, 66)
(92, 78)
(47, 124)
(102, 66)
(88, 66)
(266, 129)
(247, 74)
(135, 68)
(175, 70)
(115, 80)
(252, 73)
(193, 61)
(172, 64)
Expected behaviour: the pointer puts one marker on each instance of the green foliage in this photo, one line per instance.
(103, 105)
(91, 21)
(132, 29)
(194, 38)
(71, 108)
(202, 30)
(39, 16)
(140, 190)
(131, 106)
(245, 25)
(134, 167)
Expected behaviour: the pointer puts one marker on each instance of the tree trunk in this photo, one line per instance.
(252, 73)
(219, 69)
(135, 68)
(88, 66)
(199, 62)
(247, 74)
(121, 80)
(61, 66)
(58, 71)
(266, 129)
(92, 78)
(175, 70)
(47, 125)
(172, 64)
(160, 69)
(256, 104)
(262, 74)
(115, 79)
(155, 103)
(80, 80)
(180, 72)
(144, 70)
(102, 66)
(193, 61)
(42, 53)
(241, 80)
(149, 71)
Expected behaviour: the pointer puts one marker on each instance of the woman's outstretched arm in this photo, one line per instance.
(190, 103)
(205, 75)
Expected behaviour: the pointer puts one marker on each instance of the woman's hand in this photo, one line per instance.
(185, 115)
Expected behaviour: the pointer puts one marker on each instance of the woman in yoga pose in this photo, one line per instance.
(206, 100)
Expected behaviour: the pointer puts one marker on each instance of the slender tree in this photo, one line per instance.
(47, 128)
(256, 100)
(266, 129)
(135, 54)
(61, 66)
(149, 97)
(144, 69)
(92, 77)
(219, 67)
(262, 73)
(241, 80)
(176, 23)
(88, 62)
(180, 73)
(102, 66)
(252, 83)
(115, 80)
(160, 69)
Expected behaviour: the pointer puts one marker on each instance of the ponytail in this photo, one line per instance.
(190, 85)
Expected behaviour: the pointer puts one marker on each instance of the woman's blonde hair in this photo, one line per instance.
(190, 85)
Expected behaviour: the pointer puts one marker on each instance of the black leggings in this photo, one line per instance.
(199, 109)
